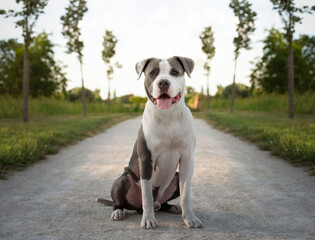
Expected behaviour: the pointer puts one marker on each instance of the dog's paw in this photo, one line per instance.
(118, 215)
(156, 206)
(193, 222)
(175, 209)
(149, 222)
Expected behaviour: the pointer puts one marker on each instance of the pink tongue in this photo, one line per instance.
(164, 103)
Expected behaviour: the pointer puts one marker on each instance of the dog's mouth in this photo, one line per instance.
(164, 101)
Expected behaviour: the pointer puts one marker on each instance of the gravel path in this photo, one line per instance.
(238, 192)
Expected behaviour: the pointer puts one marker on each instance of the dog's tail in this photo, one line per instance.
(105, 202)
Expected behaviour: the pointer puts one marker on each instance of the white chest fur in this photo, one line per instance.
(169, 135)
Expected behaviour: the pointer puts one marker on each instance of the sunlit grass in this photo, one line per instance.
(22, 144)
(291, 139)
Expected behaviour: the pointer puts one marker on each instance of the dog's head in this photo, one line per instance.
(164, 79)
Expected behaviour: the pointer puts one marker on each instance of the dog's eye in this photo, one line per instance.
(152, 72)
(174, 72)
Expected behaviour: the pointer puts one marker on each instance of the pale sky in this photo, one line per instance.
(146, 28)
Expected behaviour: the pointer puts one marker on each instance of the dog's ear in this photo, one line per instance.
(187, 63)
(140, 66)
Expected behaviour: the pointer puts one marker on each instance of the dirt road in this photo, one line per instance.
(238, 192)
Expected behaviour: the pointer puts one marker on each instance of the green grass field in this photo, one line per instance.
(39, 107)
(22, 144)
(291, 139)
(55, 123)
(304, 104)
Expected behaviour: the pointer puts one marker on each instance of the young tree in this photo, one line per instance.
(109, 44)
(47, 75)
(268, 74)
(70, 29)
(208, 48)
(27, 16)
(288, 12)
(245, 26)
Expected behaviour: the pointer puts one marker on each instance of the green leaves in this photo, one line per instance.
(46, 74)
(70, 26)
(109, 44)
(245, 26)
(31, 9)
(270, 72)
(289, 14)
(207, 41)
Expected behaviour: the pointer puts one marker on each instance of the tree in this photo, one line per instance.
(288, 12)
(75, 94)
(245, 26)
(27, 17)
(270, 72)
(109, 45)
(208, 48)
(70, 29)
(47, 75)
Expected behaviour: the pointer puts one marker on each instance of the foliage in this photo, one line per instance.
(208, 48)
(137, 99)
(10, 107)
(108, 52)
(246, 24)
(207, 41)
(270, 73)
(70, 29)
(109, 44)
(70, 26)
(31, 9)
(241, 90)
(289, 14)
(75, 94)
(22, 145)
(293, 140)
(47, 76)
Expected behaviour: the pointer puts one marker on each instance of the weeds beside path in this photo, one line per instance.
(22, 144)
(291, 139)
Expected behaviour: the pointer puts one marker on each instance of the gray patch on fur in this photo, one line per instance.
(145, 158)
(187, 64)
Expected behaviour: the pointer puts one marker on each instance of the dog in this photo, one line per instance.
(165, 142)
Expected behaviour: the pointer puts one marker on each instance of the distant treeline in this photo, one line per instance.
(269, 73)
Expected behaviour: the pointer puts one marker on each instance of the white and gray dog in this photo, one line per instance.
(166, 140)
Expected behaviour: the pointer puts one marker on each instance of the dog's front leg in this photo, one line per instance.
(146, 169)
(148, 219)
(186, 169)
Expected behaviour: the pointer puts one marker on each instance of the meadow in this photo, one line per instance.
(39, 107)
(290, 139)
(22, 144)
(55, 123)
(271, 103)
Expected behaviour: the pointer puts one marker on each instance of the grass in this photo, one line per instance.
(304, 104)
(291, 139)
(22, 144)
(39, 107)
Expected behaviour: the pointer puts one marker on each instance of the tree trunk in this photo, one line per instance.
(26, 80)
(83, 91)
(108, 96)
(291, 79)
(233, 88)
(208, 94)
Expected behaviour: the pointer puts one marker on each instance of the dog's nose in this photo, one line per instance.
(164, 84)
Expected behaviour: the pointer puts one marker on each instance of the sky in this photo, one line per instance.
(162, 29)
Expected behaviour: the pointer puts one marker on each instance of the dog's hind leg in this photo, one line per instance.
(126, 194)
